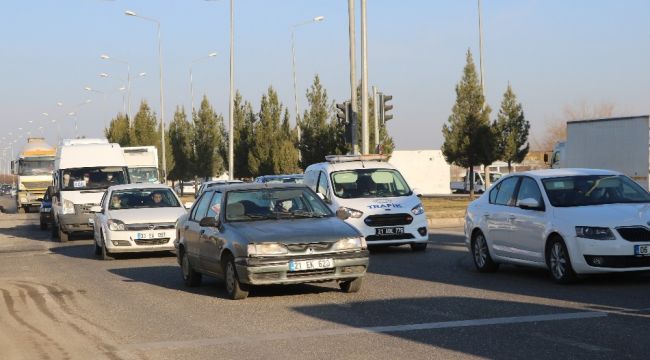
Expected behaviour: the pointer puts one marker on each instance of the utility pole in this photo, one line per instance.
(365, 134)
(376, 117)
(353, 68)
(231, 102)
(486, 173)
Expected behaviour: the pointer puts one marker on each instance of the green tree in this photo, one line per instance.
(244, 120)
(144, 130)
(511, 130)
(208, 141)
(266, 135)
(181, 134)
(285, 152)
(469, 138)
(118, 130)
(317, 134)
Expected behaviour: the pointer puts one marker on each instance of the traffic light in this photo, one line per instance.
(384, 107)
(342, 113)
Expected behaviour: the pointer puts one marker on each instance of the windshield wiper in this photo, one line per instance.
(307, 214)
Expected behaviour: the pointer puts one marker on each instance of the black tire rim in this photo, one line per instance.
(558, 260)
(480, 251)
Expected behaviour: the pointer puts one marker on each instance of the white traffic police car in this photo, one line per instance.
(571, 221)
(379, 202)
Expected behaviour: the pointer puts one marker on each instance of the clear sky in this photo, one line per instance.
(554, 53)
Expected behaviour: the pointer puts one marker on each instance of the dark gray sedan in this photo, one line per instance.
(261, 234)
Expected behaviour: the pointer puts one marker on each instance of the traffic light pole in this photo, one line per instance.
(376, 117)
(353, 68)
(365, 134)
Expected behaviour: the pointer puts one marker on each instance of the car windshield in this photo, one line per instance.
(143, 175)
(92, 178)
(593, 190)
(142, 198)
(275, 203)
(369, 183)
(42, 166)
(282, 179)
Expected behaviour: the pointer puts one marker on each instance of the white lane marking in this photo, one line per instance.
(175, 345)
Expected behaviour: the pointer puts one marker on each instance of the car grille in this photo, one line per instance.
(156, 226)
(634, 233)
(161, 241)
(389, 237)
(303, 247)
(310, 273)
(619, 262)
(29, 185)
(388, 220)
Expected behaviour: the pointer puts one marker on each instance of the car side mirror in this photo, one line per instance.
(343, 213)
(209, 221)
(529, 204)
(188, 205)
(96, 209)
(416, 192)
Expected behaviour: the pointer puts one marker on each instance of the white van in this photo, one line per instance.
(142, 162)
(83, 170)
(380, 203)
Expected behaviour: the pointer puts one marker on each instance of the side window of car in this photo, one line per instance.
(493, 193)
(506, 191)
(528, 189)
(215, 205)
(310, 179)
(322, 184)
(202, 207)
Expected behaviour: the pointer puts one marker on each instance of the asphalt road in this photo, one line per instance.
(57, 301)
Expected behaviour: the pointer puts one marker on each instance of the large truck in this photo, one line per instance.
(83, 170)
(618, 143)
(142, 162)
(426, 171)
(33, 173)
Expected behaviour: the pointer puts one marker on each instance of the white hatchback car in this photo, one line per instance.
(136, 218)
(571, 221)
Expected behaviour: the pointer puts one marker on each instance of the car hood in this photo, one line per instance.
(610, 215)
(147, 215)
(294, 230)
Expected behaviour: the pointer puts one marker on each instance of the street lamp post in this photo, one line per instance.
(128, 77)
(212, 54)
(162, 101)
(293, 62)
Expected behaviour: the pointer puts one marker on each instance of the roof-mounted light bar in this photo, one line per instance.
(348, 158)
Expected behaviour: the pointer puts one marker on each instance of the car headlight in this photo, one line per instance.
(350, 244)
(418, 209)
(354, 213)
(267, 249)
(68, 207)
(116, 225)
(595, 233)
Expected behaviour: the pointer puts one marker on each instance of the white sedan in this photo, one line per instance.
(571, 221)
(136, 218)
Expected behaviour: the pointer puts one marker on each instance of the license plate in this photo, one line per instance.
(150, 235)
(302, 265)
(643, 250)
(389, 231)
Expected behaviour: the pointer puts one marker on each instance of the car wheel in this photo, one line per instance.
(559, 262)
(351, 286)
(63, 237)
(98, 249)
(190, 277)
(419, 247)
(106, 255)
(481, 254)
(235, 289)
(55, 230)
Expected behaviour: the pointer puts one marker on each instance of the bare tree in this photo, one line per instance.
(556, 129)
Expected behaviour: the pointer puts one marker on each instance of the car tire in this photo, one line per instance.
(235, 289)
(351, 286)
(559, 261)
(98, 249)
(55, 230)
(481, 254)
(63, 236)
(419, 247)
(106, 255)
(190, 277)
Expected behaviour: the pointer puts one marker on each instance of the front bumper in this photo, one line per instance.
(605, 256)
(414, 233)
(140, 241)
(75, 222)
(275, 270)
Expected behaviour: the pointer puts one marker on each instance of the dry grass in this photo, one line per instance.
(445, 207)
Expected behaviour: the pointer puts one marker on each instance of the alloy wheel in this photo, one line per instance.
(558, 260)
